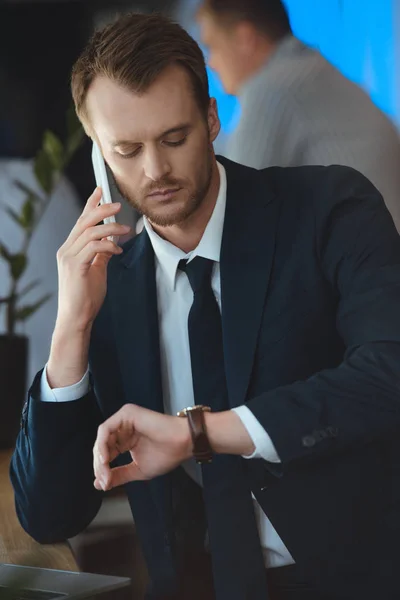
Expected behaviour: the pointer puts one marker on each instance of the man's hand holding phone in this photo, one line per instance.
(82, 272)
(82, 262)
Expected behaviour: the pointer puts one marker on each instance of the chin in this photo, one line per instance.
(171, 215)
(165, 219)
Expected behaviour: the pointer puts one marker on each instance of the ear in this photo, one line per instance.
(246, 37)
(214, 124)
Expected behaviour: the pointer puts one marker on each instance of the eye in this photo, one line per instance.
(131, 154)
(178, 143)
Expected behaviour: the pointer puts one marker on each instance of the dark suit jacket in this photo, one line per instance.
(310, 279)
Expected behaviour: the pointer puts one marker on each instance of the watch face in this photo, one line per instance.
(184, 411)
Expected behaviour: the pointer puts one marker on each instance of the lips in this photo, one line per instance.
(164, 194)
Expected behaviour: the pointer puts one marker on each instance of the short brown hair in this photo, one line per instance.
(133, 51)
(270, 17)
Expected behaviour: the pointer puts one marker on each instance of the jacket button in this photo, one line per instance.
(309, 441)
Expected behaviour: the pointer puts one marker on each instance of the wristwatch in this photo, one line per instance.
(202, 450)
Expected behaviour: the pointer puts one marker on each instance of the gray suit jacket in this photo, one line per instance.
(300, 110)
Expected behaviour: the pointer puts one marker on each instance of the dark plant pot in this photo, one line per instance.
(13, 370)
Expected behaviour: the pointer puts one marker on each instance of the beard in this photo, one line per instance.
(178, 209)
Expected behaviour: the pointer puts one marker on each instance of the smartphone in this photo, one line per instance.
(101, 177)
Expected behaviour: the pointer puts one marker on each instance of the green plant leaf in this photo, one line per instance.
(24, 312)
(44, 171)
(4, 253)
(28, 288)
(28, 214)
(28, 191)
(18, 264)
(54, 150)
(15, 216)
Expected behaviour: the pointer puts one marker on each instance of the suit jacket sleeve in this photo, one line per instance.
(52, 466)
(359, 401)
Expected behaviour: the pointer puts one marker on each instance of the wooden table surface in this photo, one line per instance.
(16, 547)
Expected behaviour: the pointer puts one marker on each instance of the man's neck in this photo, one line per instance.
(187, 235)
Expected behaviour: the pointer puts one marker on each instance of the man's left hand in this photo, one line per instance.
(157, 443)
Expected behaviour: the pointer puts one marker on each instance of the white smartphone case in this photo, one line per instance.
(101, 178)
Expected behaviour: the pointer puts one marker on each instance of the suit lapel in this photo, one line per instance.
(133, 298)
(246, 260)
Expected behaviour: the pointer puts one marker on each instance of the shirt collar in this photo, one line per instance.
(168, 256)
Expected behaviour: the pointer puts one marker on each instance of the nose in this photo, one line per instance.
(156, 165)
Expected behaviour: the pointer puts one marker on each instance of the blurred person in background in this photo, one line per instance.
(296, 107)
(280, 314)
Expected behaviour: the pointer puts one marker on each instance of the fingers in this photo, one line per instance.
(115, 436)
(97, 233)
(119, 476)
(104, 451)
(84, 259)
(102, 259)
(92, 214)
(87, 239)
(103, 471)
(95, 247)
(91, 219)
(93, 200)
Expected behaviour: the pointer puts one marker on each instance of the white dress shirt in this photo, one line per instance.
(174, 300)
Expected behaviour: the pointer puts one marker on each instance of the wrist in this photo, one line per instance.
(69, 327)
(68, 360)
(227, 434)
(185, 437)
(67, 341)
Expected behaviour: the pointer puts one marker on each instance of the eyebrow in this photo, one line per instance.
(176, 129)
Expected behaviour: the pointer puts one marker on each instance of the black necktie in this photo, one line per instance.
(238, 568)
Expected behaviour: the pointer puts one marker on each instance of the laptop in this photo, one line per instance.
(34, 583)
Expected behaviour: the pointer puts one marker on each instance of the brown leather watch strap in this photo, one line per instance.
(202, 450)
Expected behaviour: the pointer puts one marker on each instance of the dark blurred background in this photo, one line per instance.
(39, 41)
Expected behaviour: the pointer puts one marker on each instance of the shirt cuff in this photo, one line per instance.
(65, 394)
(264, 448)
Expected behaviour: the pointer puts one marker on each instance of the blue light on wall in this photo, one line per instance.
(357, 36)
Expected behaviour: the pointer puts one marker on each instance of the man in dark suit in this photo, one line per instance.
(270, 296)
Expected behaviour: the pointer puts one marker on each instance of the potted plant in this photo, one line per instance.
(49, 164)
